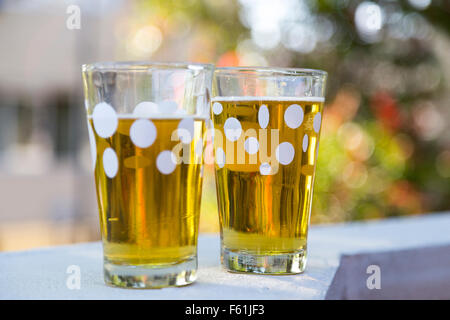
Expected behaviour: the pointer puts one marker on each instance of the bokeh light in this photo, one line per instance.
(369, 21)
(144, 42)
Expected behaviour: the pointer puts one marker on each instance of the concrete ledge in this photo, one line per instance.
(395, 245)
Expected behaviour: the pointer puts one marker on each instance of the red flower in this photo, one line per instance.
(386, 110)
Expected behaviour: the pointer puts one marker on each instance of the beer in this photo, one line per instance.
(146, 123)
(265, 187)
(149, 205)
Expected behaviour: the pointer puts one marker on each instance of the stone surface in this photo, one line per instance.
(41, 274)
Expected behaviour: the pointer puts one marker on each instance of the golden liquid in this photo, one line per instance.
(266, 214)
(147, 217)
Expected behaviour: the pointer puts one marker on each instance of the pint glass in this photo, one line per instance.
(267, 125)
(146, 125)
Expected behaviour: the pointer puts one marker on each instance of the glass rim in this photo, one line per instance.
(274, 71)
(133, 66)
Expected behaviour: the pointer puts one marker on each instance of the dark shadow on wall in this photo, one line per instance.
(422, 273)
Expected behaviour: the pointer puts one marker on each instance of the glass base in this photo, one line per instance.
(150, 277)
(244, 262)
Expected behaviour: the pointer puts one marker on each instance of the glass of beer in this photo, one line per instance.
(267, 125)
(146, 123)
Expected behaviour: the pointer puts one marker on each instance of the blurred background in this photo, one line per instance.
(385, 144)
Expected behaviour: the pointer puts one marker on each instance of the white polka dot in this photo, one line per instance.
(92, 144)
(110, 162)
(199, 147)
(168, 106)
(217, 108)
(317, 122)
(305, 143)
(166, 162)
(263, 116)
(251, 145)
(293, 116)
(285, 153)
(265, 169)
(220, 157)
(232, 128)
(105, 120)
(145, 109)
(143, 133)
(186, 130)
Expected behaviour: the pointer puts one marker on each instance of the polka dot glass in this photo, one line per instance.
(146, 123)
(267, 124)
